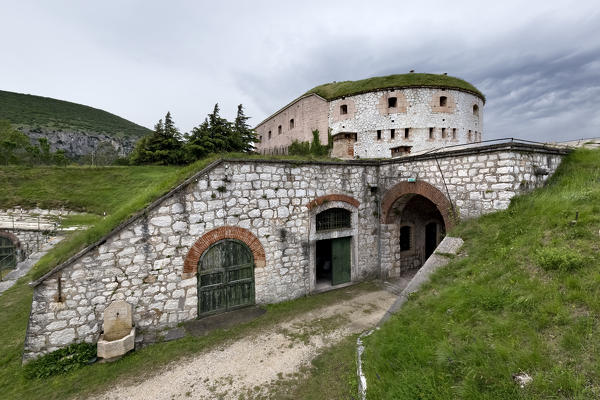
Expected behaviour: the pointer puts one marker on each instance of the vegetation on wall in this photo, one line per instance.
(525, 299)
(15, 149)
(314, 147)
(44, 114)
(335, 90)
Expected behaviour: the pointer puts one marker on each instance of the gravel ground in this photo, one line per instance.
(252, 363)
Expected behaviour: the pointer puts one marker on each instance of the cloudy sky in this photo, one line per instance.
(538, 62)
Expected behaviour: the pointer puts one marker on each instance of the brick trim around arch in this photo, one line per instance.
(12, 237)
(424, 189)
(190, 264)
(333, 197)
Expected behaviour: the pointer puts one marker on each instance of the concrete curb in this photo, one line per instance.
(447, 248)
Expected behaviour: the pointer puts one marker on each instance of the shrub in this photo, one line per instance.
(61, 361)
(553, 258)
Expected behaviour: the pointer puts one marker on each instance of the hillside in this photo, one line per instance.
(75, 128)
(524, 298)
(334, 90)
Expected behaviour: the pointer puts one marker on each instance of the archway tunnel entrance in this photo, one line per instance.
(417, 227)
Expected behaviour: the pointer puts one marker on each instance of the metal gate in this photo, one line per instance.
(8, 256)
(225, 277)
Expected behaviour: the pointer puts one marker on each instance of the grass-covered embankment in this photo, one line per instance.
(525, 299)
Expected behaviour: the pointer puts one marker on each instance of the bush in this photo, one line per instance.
(552, 258)
(61, 361)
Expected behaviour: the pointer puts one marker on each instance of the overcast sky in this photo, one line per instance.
(537, 62)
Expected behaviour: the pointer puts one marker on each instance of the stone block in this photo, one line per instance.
(112, 349)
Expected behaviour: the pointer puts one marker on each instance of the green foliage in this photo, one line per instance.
(314, 148)
(163, 147)
(334, 90)
(561, 259)
(43, 114)
(244, 132)
(61, 361)
(525, 298)
(16, 149)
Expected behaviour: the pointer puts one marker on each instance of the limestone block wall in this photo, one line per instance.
(276, 203)
(418, 110)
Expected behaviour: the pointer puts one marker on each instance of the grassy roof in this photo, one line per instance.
(48, 114)
(334, 90)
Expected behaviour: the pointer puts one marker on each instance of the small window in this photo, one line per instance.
(343, 109)
(334, 218)
(453, 133)
(430, 133)
(378, 134)
(269, 135)
(476, 110)
(406, 133)
(291, 124)
(260, 138)
(443, 133)
(392, 102)
(279, 130)
(392, 133)
(443, 101)
(469, 137)
(405, 238)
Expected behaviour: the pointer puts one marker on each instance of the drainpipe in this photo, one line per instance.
(379, 223)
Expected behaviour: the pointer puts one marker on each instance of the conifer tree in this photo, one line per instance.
(247, 136)
(164, 146)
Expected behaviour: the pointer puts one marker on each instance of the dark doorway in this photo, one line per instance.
(430, 239)
(333, 262)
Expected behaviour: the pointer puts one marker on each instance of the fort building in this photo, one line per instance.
(379, 117)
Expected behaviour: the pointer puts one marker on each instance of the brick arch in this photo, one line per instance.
(190, 264)
(333, 197)
(424, 189)
(12, 237)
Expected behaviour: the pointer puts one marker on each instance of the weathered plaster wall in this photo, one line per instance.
(276, 202)
(417, 109)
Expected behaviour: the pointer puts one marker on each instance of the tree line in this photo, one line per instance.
(17, 149)
(167, 146)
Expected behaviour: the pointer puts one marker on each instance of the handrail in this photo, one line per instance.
(505, 140)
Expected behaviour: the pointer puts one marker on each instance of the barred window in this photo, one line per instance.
(334, 218)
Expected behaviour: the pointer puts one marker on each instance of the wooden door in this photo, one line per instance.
(225, 277)
(340, 260)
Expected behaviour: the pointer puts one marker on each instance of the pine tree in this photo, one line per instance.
(247, 136)
(164, 146)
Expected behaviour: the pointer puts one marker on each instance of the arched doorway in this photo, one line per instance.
(8, 254)
(417, 227)
(225, 277)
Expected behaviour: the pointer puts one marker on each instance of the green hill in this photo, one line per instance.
(44, 114)
(523, 299)
(334, 90)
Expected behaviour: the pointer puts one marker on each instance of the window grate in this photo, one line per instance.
(334, 218)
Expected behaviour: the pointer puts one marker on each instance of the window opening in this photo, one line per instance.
(469, 136)
(443, 133)
(405, 238)
(269, 134)
(279, 130)
(406, 133)
(476, 110)
(343, 109)
(378, 134)
(392, 133)
(260, 138)
(453, 133)
(443, 101)
(392, 102)
(291, 123)
(334, 218)
(430, 133)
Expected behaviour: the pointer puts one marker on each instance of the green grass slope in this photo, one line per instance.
(525, 299)
(47, 115)
(334, 90)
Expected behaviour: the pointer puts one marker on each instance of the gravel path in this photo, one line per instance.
(253, 362)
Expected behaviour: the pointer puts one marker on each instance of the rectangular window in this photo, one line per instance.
(291, 124)
(343, 109)
(469, 138)
(430, 133)
(378, 134)
(269, 134)
(392, 102)
(406, 133)
(279, 130)
(405, 238)
(453, 133)
(443, 133)
(392, 133)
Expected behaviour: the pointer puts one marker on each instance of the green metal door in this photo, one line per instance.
(225, 277)
(340, 260)
(8, 257)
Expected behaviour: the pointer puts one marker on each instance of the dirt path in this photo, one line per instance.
(250, 364)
